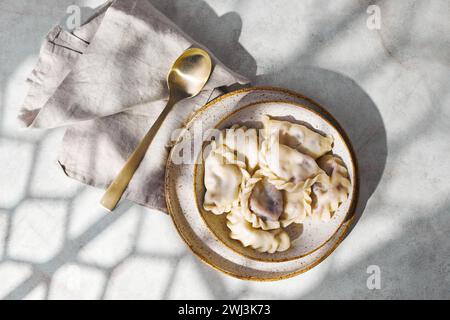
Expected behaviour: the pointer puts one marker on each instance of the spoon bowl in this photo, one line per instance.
(190, 72)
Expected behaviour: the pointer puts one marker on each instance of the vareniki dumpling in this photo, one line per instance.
(268, 208)
(298, 137)
(297, 206)
(298, 201)
(260, 240)
(244, 142)
(223, 178)
(261, 203)
(331, 189)
(266, 201)
(284, 166)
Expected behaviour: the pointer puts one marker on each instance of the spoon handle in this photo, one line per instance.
(118, 186)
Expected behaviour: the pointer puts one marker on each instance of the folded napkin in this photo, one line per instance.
(106, 81)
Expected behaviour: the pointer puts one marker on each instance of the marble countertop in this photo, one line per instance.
(381, 67)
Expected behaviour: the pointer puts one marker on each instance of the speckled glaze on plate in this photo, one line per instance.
(207, 235)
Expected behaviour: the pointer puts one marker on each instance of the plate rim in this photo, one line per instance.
(349, 216)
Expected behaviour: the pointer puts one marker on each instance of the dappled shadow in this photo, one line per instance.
(406, 262)
(27, 31)
(30, 33)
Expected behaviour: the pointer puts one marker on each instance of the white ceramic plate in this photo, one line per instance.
(207, 234)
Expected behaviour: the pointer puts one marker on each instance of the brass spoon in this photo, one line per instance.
(186, 78)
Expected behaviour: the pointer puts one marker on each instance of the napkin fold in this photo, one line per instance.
(106, 81)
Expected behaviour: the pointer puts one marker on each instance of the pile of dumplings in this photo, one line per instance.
(266, 182)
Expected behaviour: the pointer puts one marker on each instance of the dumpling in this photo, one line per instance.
(298, 206)
(260, 240)
(266, 201)
(268, 208)
(223, 177)
(284, 166)
(331, 190)
(261, 203)
(298, 137)
(298, 202)
(244, 142)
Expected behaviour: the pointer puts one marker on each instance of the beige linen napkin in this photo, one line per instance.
(106, 81)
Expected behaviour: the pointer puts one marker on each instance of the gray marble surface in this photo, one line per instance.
(388, 87)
